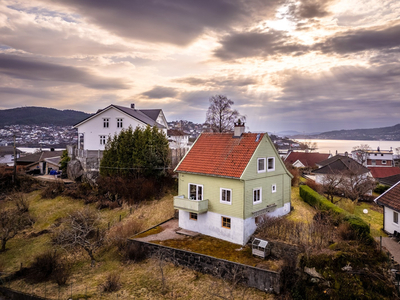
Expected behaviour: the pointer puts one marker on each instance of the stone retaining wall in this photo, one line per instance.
(265, 280)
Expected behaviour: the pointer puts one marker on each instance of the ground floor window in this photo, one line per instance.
(226, 222)
(395, 217)
(193, 216)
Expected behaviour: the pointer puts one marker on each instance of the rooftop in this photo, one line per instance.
(390, 198)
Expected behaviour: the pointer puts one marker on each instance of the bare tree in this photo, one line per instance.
(361, 154)
(310, 146)
(80, 230)
(12, 221)
(220, 115)
(355, 186)
(331, 184)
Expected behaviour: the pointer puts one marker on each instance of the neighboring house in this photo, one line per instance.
(226, 181)
(372, 158)
(340, 166)
(178, 143)
(390, 200)
(94, 131)
(7, 155)
(390, 181)
(41, 162)
(379, 173)
(306, 159)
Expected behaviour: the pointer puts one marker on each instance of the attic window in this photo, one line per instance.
(271, 164)
(119, 123)
(261, 165)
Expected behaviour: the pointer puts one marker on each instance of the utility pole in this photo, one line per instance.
(15, 162)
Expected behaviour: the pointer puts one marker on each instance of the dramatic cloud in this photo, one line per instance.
(159, 92)
(25, 68)
(218, 81)
(256, 43)
(361, 40)
(177, 22)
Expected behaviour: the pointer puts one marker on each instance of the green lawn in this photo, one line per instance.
(374, 217)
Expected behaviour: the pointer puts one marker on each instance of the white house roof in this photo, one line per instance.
(134, 113)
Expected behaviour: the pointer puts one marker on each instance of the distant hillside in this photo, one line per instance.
(40, 116)
(384, 133)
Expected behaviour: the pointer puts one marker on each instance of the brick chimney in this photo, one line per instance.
(239, 129)
(133, 105)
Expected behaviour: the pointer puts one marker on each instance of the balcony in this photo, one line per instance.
(194, 206)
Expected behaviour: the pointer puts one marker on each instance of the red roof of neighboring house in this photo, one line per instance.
(220, 154)
(307, 159)
(382, 172)
(390, 198)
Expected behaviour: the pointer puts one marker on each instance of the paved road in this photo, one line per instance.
(393, 247)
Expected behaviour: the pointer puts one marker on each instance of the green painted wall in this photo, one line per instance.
(253, 179)
(211, 191)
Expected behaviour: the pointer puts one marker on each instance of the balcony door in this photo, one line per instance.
(195, 191)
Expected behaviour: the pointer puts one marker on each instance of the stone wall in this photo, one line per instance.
(11, 294)
(268, 281)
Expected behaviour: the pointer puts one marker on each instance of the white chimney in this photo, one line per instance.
(239, 129)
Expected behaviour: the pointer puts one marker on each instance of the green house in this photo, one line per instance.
(228, 181)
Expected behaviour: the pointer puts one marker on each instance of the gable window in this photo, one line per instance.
(261, 165)
(195, 191)
(226, 222)
(226, 196)
(193, 216)
(383, 162)
(257, 196)
(395, 217)
(271, 164)
(102, 140)
(274, 188)
(106, 122)
(119, 123)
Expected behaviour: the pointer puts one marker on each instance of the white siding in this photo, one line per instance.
(389, 225)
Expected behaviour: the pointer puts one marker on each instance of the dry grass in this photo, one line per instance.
(138, 280)
(221, 249)
(302, 211)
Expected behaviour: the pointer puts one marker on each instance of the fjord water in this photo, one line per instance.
(341, 146)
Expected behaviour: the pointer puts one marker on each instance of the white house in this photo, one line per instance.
(227, 181)
(390, 200)
(94, 131)
(374, 158)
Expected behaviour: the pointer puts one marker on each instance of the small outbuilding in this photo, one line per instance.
(261, 248)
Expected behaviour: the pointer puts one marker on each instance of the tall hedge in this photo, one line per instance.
(316, 200)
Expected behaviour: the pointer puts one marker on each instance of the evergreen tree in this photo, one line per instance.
(138, 153)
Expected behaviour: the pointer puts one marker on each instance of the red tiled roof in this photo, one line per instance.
(382, 172)
(307, 159)
(391, 198)
(220, 154)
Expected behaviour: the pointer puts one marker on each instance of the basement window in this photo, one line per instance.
(395, 217)
(226, 222)
(193, 216)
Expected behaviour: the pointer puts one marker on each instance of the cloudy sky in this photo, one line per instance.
(305, 65)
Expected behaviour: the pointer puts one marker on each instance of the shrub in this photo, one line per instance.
(347, 205)
(44, 265)
(62, 272)
(359, 226)
(380, 189)
(53, 189)
(135, 252)
(345, 232)
(112, 284)
(119, 234)
(21, 202)
(296, 176)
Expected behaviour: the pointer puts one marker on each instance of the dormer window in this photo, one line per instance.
(106, 122)
(261, 162)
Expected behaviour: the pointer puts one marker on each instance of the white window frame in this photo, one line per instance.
(395, 213)
(197, 191)
(106, 122)
(103, 139)
(221, 191)
(273, 188)
(384, 161)
(120, 123)
(273, 162)
(258, 165)
(260, 200)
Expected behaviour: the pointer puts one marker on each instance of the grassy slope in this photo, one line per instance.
(141, 280)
